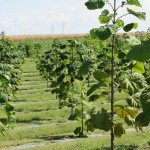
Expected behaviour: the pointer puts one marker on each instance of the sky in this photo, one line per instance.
(19, 17)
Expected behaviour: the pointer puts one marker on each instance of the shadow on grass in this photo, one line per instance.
(57, 137)
(121, 147)
(47, 109)
(36, 110)
(20, 100)
(35, 120)
(61, 137)
(65, 138)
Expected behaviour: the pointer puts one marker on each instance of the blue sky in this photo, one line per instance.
(55, 16)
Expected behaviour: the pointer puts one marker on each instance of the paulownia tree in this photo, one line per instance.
(10, 70)
(112, 22)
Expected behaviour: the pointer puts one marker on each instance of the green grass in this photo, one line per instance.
(53, 114)
(35, 96)
(37, 131)
(34, 106)
(46, 44)
(130, 141)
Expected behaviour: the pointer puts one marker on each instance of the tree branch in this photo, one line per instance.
(122, 16)
(111, 6)
(120, 6)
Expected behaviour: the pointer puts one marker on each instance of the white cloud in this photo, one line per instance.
(6, 22)
(22, 19)
(54, 15)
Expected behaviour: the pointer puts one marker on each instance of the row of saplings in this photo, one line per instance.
(79, 74)
(11, 59)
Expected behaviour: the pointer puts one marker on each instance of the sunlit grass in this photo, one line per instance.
(34, 106)
(130, 141)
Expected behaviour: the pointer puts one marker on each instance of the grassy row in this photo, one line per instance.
(130, 141)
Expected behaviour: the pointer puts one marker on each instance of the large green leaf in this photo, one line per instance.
(104, 19)
(103, 33)
(142, 120)
(130, 86)
(119, 130)
(134, 2)
(99, 75)
(94, 97)
(129, 121)
(101, 119)
(123, 112)
(145, 100)
(95, 4)
(138, 79)
(78, 130)
(95, 87)
(134, 100)
(120, 23)
(84, 68)
(140, 53)
(105, 12)
(130, 26)
(93, 33)
(140, 15)
(139, 67)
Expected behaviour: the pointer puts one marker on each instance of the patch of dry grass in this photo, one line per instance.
(18, 38)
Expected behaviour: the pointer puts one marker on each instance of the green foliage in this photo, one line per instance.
(108, 62)
(100, 119)
(140, 15)
(130, 26)
(145, 100)
(139, 53)
(27, 47)
(94, 97)
(129, 121)
(134, 2)
(94, 87)
(134, 100)
(124, 74)
(119, 130)
(139, 67)
(133, 83)
(124, 112)
(120, 23)
(133, 41)
(142, 120)
(100, 75)
(93, 33)
(77, 131)
(10, 62)
(104, 18)
(95, 4)
(84, 68)
(103, 33)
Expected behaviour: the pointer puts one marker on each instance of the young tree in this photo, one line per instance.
(112, 24)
